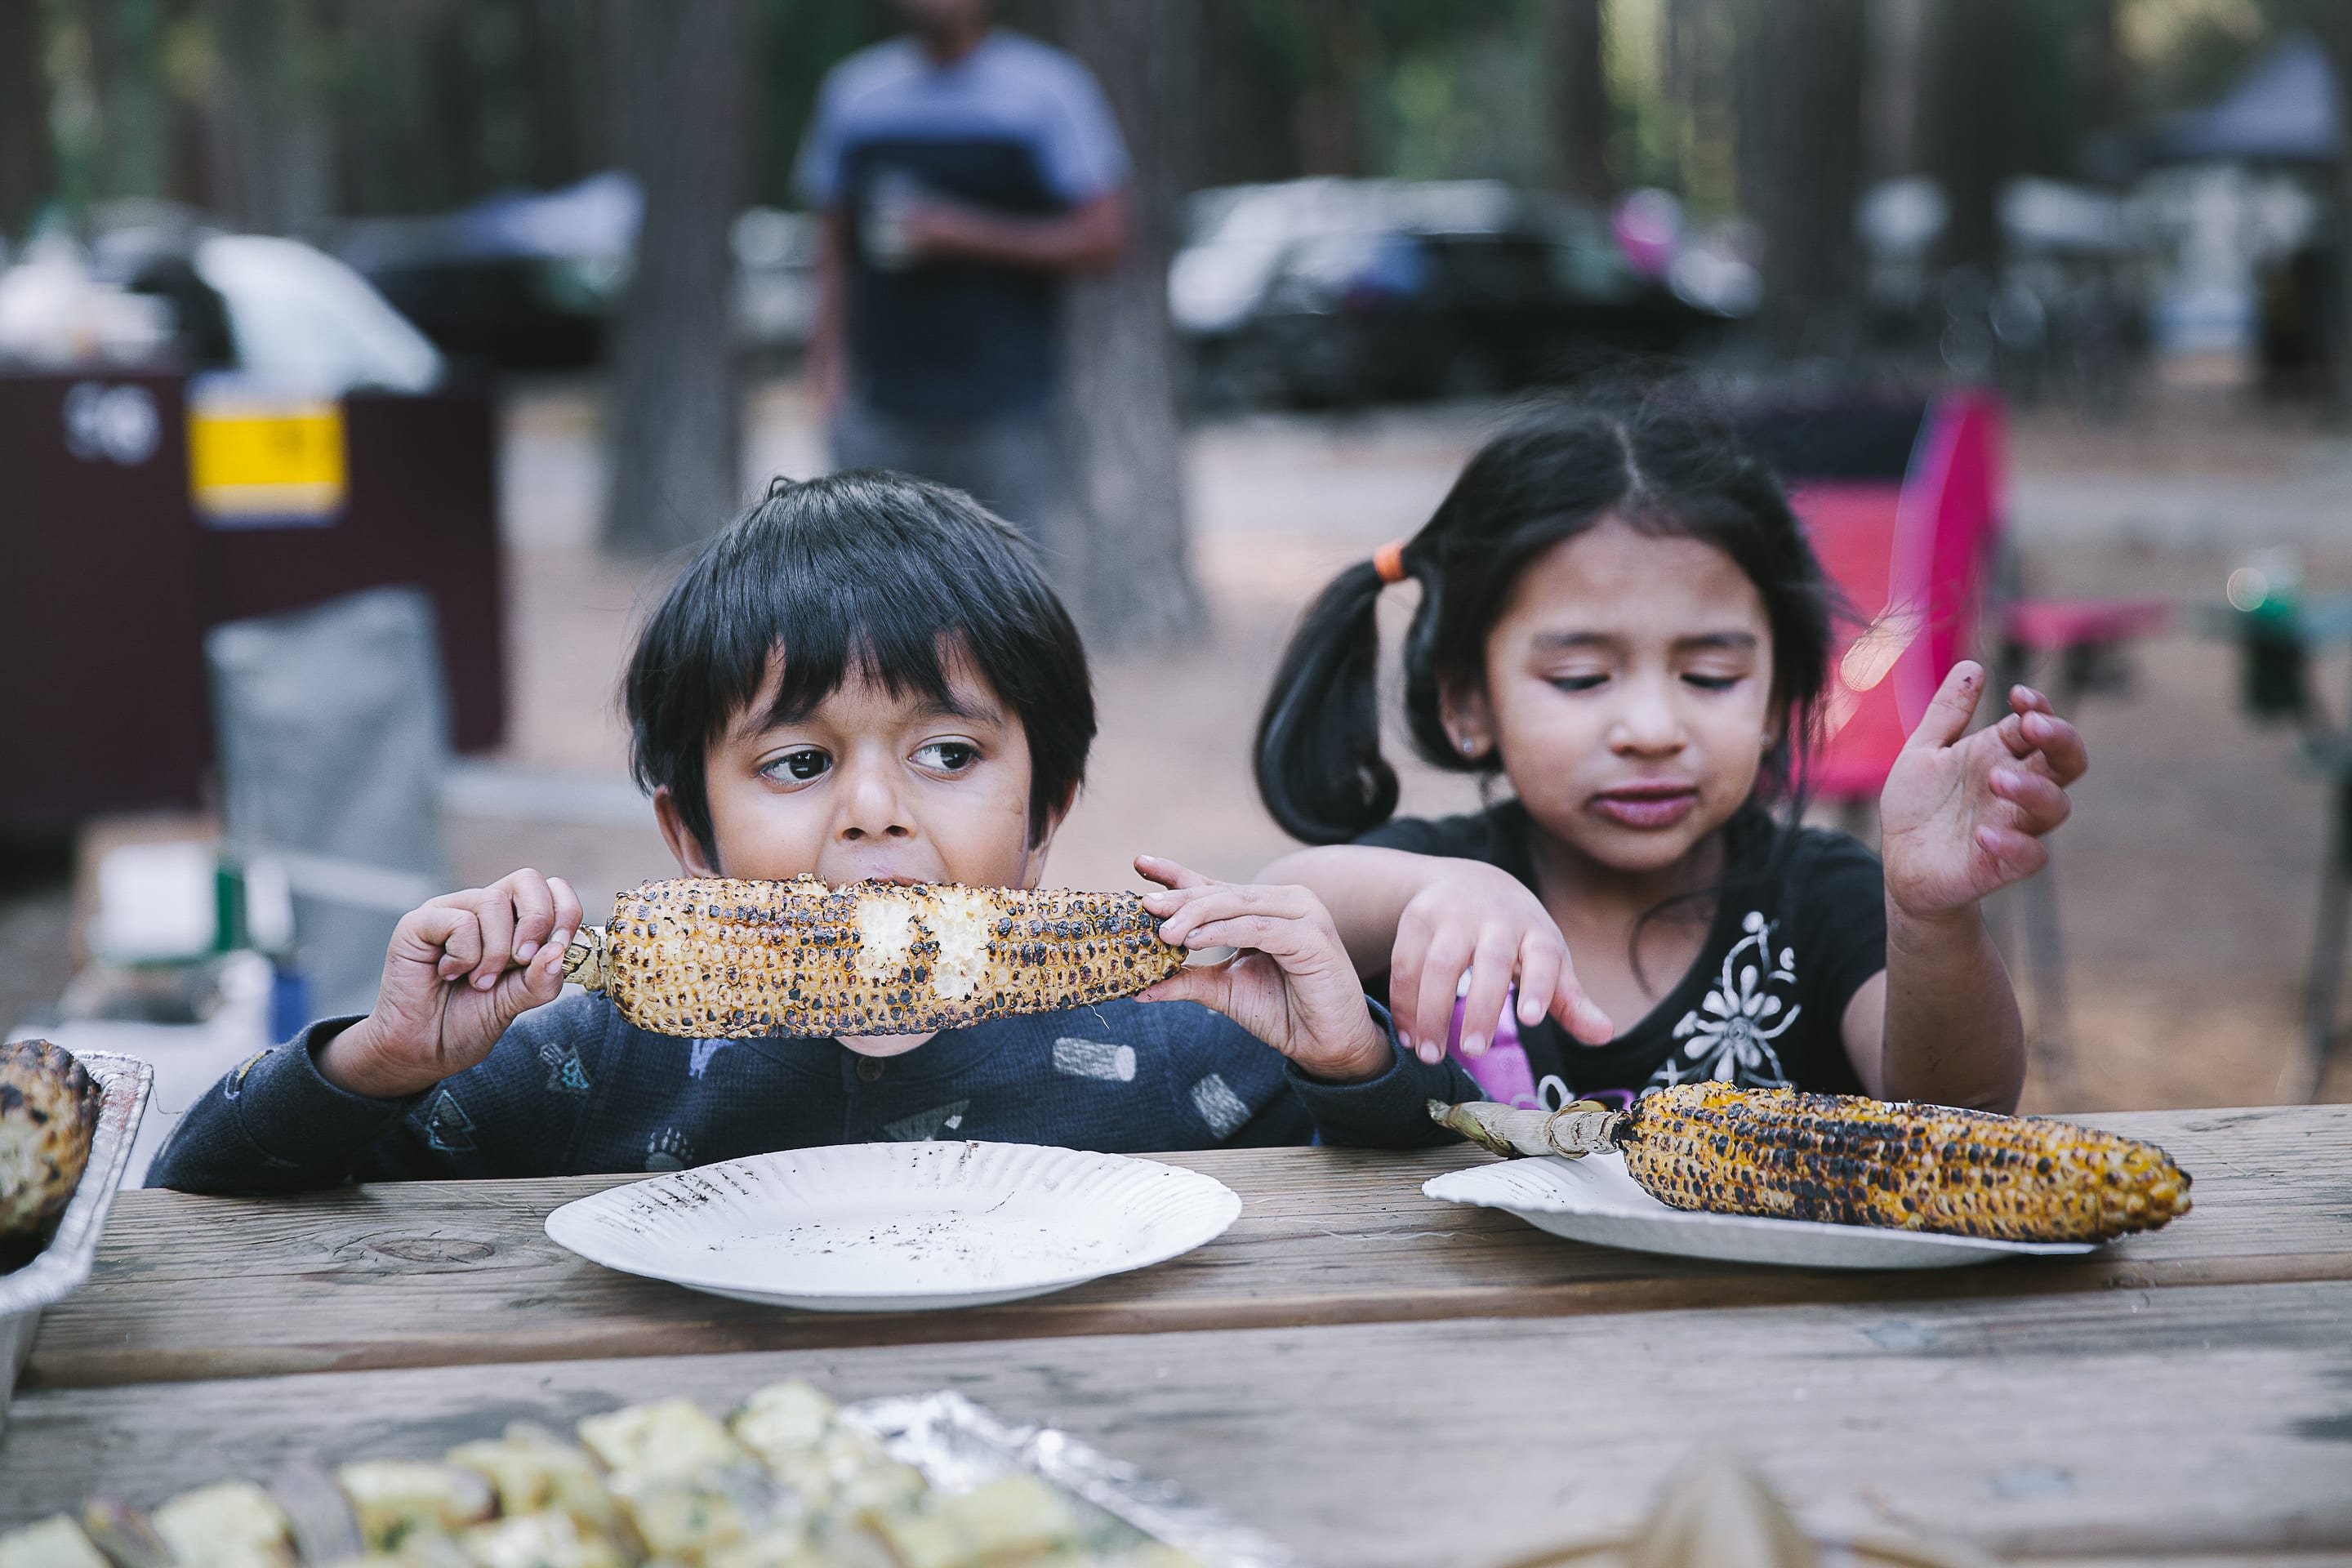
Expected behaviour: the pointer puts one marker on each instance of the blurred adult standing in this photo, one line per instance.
(964, 172)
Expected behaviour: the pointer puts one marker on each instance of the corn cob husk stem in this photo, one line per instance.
(1847, 1160)
(705, 958)
(1585, 1127)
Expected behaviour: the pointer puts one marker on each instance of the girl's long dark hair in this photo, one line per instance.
(1659, 466)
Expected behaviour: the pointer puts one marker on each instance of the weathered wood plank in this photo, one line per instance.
(2192, 1422)
(438, 1273)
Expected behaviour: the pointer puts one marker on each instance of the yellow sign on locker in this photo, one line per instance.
(258, 462)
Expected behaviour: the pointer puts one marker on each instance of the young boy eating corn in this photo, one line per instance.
(865, 678)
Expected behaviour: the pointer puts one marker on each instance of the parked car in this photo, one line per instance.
(1341, 292)
(529, 280)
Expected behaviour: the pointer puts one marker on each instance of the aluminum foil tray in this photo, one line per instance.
(60, 1269)
(957, 1445)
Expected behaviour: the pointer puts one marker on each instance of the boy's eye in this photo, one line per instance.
(947, 756)
(799, 767)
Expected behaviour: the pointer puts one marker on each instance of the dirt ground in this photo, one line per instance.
(2187, 880)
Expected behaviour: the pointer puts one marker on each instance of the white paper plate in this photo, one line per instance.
(870, 1228)
(1593, 1199)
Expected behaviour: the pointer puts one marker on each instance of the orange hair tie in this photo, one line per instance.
(1389, 561)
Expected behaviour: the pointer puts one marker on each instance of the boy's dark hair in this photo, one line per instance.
(878, 574)
(1661, 467)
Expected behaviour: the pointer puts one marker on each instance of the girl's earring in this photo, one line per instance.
(1469, 747)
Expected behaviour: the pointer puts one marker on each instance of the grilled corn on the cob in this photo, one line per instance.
(702, 958)
(1850, 1160)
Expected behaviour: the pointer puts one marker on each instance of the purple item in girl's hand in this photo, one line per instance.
(1502, 1070)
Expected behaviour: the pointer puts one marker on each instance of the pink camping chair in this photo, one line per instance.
(1904, 503)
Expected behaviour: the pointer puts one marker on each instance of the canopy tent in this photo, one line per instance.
(2287, 107)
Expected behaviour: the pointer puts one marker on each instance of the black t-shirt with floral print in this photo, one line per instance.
(1799, 925)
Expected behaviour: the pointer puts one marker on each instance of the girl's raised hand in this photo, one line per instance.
(1479, 919)
(1291, 985)
(1963, 815)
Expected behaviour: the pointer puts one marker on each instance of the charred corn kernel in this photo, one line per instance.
(703, 958)
(1851, 1161)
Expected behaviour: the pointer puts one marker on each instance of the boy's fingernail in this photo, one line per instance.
(484, 981)
(525, 952)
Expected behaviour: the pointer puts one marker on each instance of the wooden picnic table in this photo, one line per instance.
(1368, 1374)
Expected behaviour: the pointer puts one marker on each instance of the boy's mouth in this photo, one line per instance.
(1645, 806)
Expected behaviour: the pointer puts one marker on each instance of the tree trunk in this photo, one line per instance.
(676, 426)
(27, 174)
(269, 132)
(1579, 86)
(1972, 149)
(1130, 571)
(1800, 164)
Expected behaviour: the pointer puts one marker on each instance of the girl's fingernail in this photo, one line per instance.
(1405, 1040)
(484, 981)
(525, 952)
(1428, 1054)
(1473, 1044)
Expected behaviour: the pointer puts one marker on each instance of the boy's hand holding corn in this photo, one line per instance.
(1292, 985)
(459, 970)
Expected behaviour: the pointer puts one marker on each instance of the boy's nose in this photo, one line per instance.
(871, 806)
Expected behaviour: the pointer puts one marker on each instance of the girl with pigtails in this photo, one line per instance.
(1621, 620)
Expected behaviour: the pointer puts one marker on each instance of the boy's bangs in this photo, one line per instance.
(908, 650)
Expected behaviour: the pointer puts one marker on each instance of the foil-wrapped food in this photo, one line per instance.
(48, 1114)
(787, 1480)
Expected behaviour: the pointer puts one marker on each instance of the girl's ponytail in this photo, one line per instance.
(1319, 761)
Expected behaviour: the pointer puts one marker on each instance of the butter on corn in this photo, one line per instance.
(702, 958)
(1846, 1159)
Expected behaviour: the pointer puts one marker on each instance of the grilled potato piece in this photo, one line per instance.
(719, 957)
(233, 1524)
(534, 1470)
(396, 1498)
(668, 1439)
(56, 1542)
(1010, 1520)
(540, 1541)
(48, 1114)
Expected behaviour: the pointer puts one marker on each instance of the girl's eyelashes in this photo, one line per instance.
(1577, 683)
(798, 767)
(1713, 683)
